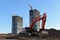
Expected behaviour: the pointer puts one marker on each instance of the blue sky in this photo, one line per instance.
(21, 8)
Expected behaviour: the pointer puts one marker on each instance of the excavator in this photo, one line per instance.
(31, 29)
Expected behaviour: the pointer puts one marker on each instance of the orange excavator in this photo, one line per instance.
(31, 29)
(43, 18)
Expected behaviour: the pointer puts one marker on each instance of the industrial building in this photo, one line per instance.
(17, 24)
(33, 13)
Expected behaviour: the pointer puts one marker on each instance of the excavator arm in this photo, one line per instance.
(43, 18)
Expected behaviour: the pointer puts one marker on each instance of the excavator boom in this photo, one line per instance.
(43, 18)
